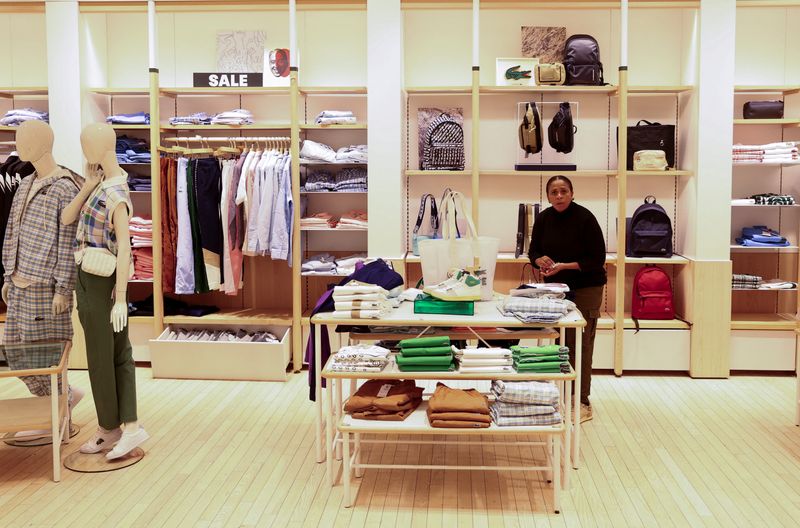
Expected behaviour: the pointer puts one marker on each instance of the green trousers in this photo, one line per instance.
(109, 354)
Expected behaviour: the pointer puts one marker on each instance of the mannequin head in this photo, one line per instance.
(97, 140)
(34, 141)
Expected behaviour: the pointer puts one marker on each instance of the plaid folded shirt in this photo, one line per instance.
(522, 409)
(537, 305)
(542, 419)
(529, 392)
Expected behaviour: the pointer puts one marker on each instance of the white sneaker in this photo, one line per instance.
(127, 443)
(467, 287)
(452, 278)
(101, 441)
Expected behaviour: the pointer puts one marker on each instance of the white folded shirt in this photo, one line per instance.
(503, 370)
(494, 362)
(361, 305)
(360, 297)
(484, 353)
(359, 314)
(356, 287)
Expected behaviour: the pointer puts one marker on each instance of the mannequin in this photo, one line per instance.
(102, 209)
(39, 274)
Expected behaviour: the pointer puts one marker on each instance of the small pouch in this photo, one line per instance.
(763, 110)
(649, 160)
(550, 73)
(97, 261)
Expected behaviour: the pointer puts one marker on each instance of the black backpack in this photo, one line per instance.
(582, 60)
(561, 131)
(649, 232)
(443, 147)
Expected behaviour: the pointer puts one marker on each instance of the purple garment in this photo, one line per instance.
(377, 272)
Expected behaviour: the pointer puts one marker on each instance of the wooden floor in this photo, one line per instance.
(661, 451)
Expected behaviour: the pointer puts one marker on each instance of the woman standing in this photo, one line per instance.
(567, 245)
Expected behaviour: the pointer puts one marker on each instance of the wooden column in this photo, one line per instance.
(622, 192)
(297, 303)
(155, 204)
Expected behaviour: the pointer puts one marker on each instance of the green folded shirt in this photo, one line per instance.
(540, 359)
(425, 342)
(427, 368)
(539, 366)
(545, 350)
(427, 351)
(424, 360)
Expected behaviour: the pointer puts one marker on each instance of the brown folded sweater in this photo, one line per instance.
(459, 416)
(445, 399)
(400, 396)
(458, 424)
(389, 416)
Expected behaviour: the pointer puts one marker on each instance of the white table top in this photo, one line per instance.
(486, 316)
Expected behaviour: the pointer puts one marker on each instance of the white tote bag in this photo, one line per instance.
(471, 252)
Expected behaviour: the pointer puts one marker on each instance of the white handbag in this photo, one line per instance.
(98, 261)
(649, 160)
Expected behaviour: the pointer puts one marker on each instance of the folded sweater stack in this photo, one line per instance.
(387, 400)
(359, 300)
(456, 408)
(360, 358)
(541, 359)
(533, 306)
(742, 281)
(769, 154)
(485, 360)
(761, 236)
(336, 117)
(524, 403)
(425, 354)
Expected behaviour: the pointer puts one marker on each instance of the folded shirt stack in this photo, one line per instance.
(139, 183)
(778, 284)
(141, 230)
(352, 154)
(485, 360)
(312, 150)
(136, 118)
(347, 265)
(768, 154)
(319, 221)
(199, 118)
(240, 336)
(354, 219)
(239, 116)
(132, 150)
(425, 354)
(761, 236)
(525, 403)
(773, 199)
(352, 179)
(142, 263)
(541, 359)
(359, 300)
(360, 358)
(18, 116)
(541, 308)
(387, 400)
(336, 117)
(319, 181)
(321, 263)
(456, 408)
(742, 281)
(546, 290)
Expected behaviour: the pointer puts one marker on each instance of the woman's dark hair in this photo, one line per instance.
(555, 179)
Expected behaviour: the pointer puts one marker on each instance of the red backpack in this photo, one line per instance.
(652, 294)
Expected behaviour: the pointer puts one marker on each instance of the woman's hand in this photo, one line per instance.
(558, 267)
(544, 263)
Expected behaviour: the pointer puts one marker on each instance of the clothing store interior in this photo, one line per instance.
(400, 263)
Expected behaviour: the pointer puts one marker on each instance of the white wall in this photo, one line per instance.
(23, 49)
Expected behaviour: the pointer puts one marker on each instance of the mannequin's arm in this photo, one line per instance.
(71, 212)
(119, 313)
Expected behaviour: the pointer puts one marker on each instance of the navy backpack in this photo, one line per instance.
(649, 231)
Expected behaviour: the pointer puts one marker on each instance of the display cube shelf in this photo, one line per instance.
(308, 274)
(659, 90)
(764, 289)
(743, 249)
(255, 126)
(141, 319)
(661, 173)
(437, 173)
(601, 173)
(786, 90)
(602, 90)
(439, 90)
(763, 321)
(244, 316)
(766, 164)
(134, 164)
(133, 92)
(315, 163)
(605, 322)
(764, 206)
(359, 126)
(333, 90)
(26, 91)
(5, 128)
(334, 193)
(783, 122)
(255, 90)
(671, 324)
(678, 260)
(130, 127)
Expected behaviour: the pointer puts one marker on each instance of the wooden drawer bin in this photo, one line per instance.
(212, 360)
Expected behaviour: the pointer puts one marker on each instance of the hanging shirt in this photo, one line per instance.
(184, 269)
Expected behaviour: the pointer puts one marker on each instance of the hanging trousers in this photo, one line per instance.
(169, 223)
(588, 301)
(109, 354)
(200, 277)
(208, 193)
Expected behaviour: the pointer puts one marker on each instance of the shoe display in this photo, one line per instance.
(101, 441)
(462, 286)
(586, 412)
(127, 443)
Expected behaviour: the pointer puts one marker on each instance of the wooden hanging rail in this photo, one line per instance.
(240, 139)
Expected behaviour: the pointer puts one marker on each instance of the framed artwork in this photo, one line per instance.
(240, 51)
(544, 43)
(515, 71)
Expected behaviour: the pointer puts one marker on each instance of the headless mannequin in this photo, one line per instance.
(98, 142)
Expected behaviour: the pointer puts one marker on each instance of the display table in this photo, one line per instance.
(487, 316)
(557, 436)
(39, 412)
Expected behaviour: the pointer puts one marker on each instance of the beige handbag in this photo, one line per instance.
(98, 261)
(650, 160)
(552, 73)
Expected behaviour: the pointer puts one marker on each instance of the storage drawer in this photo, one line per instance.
(762, 350)
(603, 357)
(213, 360)
(657, 350)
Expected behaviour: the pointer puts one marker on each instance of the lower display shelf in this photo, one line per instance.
(250, 316)
(763, 321)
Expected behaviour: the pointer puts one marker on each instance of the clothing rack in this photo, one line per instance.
(235, 139)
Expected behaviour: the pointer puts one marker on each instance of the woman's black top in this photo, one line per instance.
(570, 236)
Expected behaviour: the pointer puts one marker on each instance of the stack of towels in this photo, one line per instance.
(455, 408)
(136, 118)
(141, 230)
(535, 304)
(769, 154)
(359, 300)
(336, 117)
(761, 236)
(425, 354)
(485, 360)
(742, 281)
(387, 400)
(142, 263)
(525, 403)
(18, 116)
(360, 358)
(541, 359)
(239, 116)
